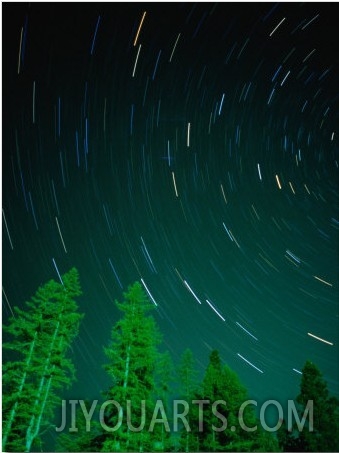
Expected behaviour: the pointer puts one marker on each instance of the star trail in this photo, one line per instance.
(189, 146)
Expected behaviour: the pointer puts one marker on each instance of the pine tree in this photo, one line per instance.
(133, 356)
(321, 433)
(188, 386)
(162, 439)
(42, 335)
(214, 389)
(220, 383)
(204, 437)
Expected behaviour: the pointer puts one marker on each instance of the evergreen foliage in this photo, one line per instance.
(220, 383)
(142, 385)
(188, 388)
(133, 356)
(323, 433)
(41, 337)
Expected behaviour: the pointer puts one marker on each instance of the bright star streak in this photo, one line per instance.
(282, 20)
(216, 311)
(192, 292)
(320, 339)
(137, 35)
(251, 364)
(243, 328)
(148, 292)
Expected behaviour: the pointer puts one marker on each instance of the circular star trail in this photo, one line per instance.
(192, 147)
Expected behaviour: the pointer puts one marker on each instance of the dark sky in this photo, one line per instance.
(200, 156)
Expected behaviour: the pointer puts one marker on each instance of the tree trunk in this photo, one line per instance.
(128, 358)
(42, 409)
(9, 423)
(30, 436)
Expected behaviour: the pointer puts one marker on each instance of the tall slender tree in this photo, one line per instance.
(39, 366)
(133, 355)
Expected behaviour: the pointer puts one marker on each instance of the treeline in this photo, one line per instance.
(151, 404)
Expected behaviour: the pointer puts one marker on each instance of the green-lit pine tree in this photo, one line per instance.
(39, 365)
(243, 432)
(213, 389)
(317, 433)
(220, 383)
(162, 439)
(133, 355)
(187, 377)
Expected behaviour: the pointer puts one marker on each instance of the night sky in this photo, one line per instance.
(193, 146)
